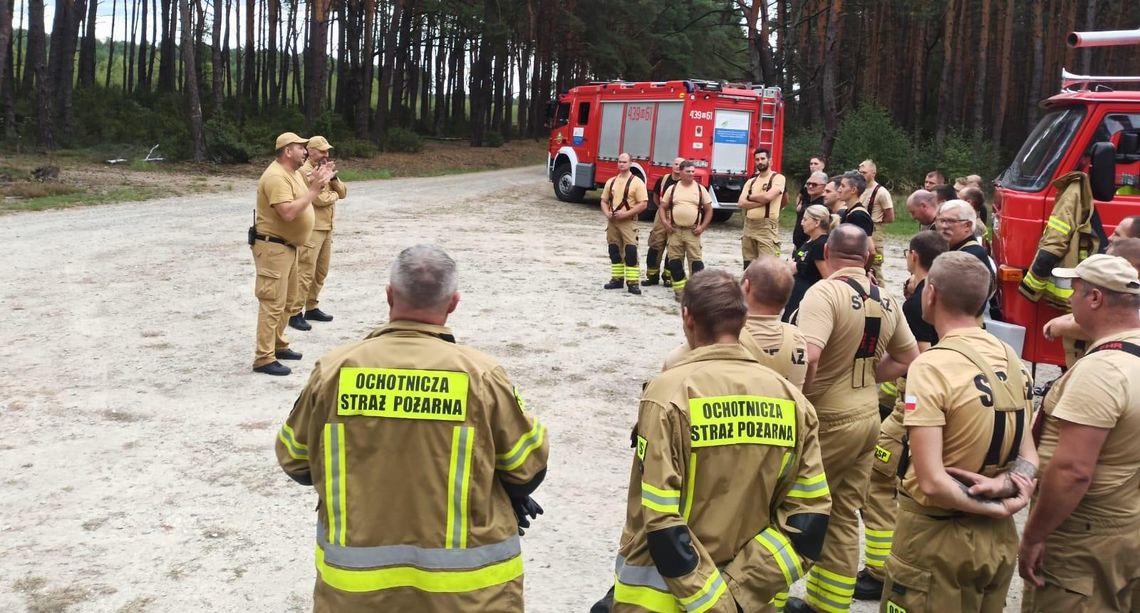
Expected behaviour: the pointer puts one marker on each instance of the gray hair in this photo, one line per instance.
(820, 176)
(423, 277)
(965, 211)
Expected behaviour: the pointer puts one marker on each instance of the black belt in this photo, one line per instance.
(272, 239)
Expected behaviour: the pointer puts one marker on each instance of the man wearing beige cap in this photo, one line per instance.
(313, 256)
(283, 220)
(1081, 547)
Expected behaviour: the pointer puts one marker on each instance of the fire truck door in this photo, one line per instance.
(730, 141)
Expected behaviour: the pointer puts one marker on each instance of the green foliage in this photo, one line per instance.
(404, 141)
(353, 148)
(103, 117)
(869, 132)
(962, 155)
(224, 142)
(493, 139)
(799, 147)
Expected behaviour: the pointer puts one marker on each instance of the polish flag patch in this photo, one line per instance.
(911, 402)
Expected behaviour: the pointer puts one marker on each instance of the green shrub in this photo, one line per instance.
(963, 155)
(225, 144)
(403, 141)
(353, 148)
(869, 132)
(799, 148)
(493, 139)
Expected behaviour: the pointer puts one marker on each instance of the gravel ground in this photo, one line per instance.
(140, 471)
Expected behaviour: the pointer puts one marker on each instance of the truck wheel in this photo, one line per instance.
(564, 188)
(722, 215)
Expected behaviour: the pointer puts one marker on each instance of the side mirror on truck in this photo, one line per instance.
(1102, 172)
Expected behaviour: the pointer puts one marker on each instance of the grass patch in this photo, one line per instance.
(364, 174)
(27, 190)
(79, 198)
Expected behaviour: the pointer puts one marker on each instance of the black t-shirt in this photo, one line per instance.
(799, 237)
(662, 184)
(806, 256)
(860, 217)
(975, 250)
(912, 309)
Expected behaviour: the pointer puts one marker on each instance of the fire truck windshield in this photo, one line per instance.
(1035, 164)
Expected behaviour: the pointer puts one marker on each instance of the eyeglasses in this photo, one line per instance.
(810, 184)
(942, 221)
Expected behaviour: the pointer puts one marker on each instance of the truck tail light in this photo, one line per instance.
(1010, 274)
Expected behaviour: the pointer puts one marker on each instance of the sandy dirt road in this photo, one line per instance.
(139, 472)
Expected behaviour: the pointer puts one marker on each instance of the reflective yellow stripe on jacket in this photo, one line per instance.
(368, 569)
(458, 481)
(645, 587)
(335, 495)
(522, 449)
(297, 450)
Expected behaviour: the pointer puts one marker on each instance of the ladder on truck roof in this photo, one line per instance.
(769, 98)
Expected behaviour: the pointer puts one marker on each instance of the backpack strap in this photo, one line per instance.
(871, 200)
(1007, 397)
(863, 373)
(1125, 346)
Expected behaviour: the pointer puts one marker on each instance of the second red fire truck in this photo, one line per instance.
(712, 123)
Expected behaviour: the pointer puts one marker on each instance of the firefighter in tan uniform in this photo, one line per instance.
(283, 220)
(856, 337)
(767, 283)
(1081, 548)
(687, 214)
(968, 406)
(880, 508)
(728, 501)
(761, 199)
(313, 256)
(877, 200)
(657, 260)
(423, 459)
(623, 199)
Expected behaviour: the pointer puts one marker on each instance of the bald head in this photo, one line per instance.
(847, 244)
(1127, 248)
(767, 285)
(922, 206)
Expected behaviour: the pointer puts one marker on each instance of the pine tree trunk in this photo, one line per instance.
(37, 73)
(1004, 73)
(249, 76)
(1038, 65)
(190, 87)
(982, 63)
(217, 76)
(274, 9)
(830, 73)
(6, 7)
(364, 95)
(87, 47)
(1090, 24)
(61, 62)
(380, 125)
(169, 56)
(945, 88)
(111, 45)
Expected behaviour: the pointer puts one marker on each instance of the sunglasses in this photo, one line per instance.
(810, 184)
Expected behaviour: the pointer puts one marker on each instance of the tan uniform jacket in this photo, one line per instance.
(833, 317)
(1102, 390)
(324, 207)
(728, 451)
(773, 343)
(1068, 238)
(760, 184)
(408, 439)
(945, 389)
(277, 185)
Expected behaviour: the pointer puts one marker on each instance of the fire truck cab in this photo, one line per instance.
(1072, 135)
(715, 125)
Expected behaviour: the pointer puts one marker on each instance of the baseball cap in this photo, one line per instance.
(289, 138)
(1107, 271)
(319, 143)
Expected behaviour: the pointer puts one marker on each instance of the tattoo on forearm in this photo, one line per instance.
(1024, 467)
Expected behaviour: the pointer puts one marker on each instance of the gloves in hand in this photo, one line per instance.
(525, 510)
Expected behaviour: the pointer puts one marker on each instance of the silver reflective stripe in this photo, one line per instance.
(419, 557)
(459, 487)
(709, 595)
(810, 488)
(335, 474)
(785, 555)
(645, 576)
(670, 501)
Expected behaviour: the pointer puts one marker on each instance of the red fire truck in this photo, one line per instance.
(714, 124)
(1089, 111)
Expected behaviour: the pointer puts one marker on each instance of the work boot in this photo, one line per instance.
(654, 280)
(287, 354)
(274, 368)
(797, 605)
(666, 283)
(297, 322)
(867, 587)
(614, 284)
(634, 289)
(318, 315)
